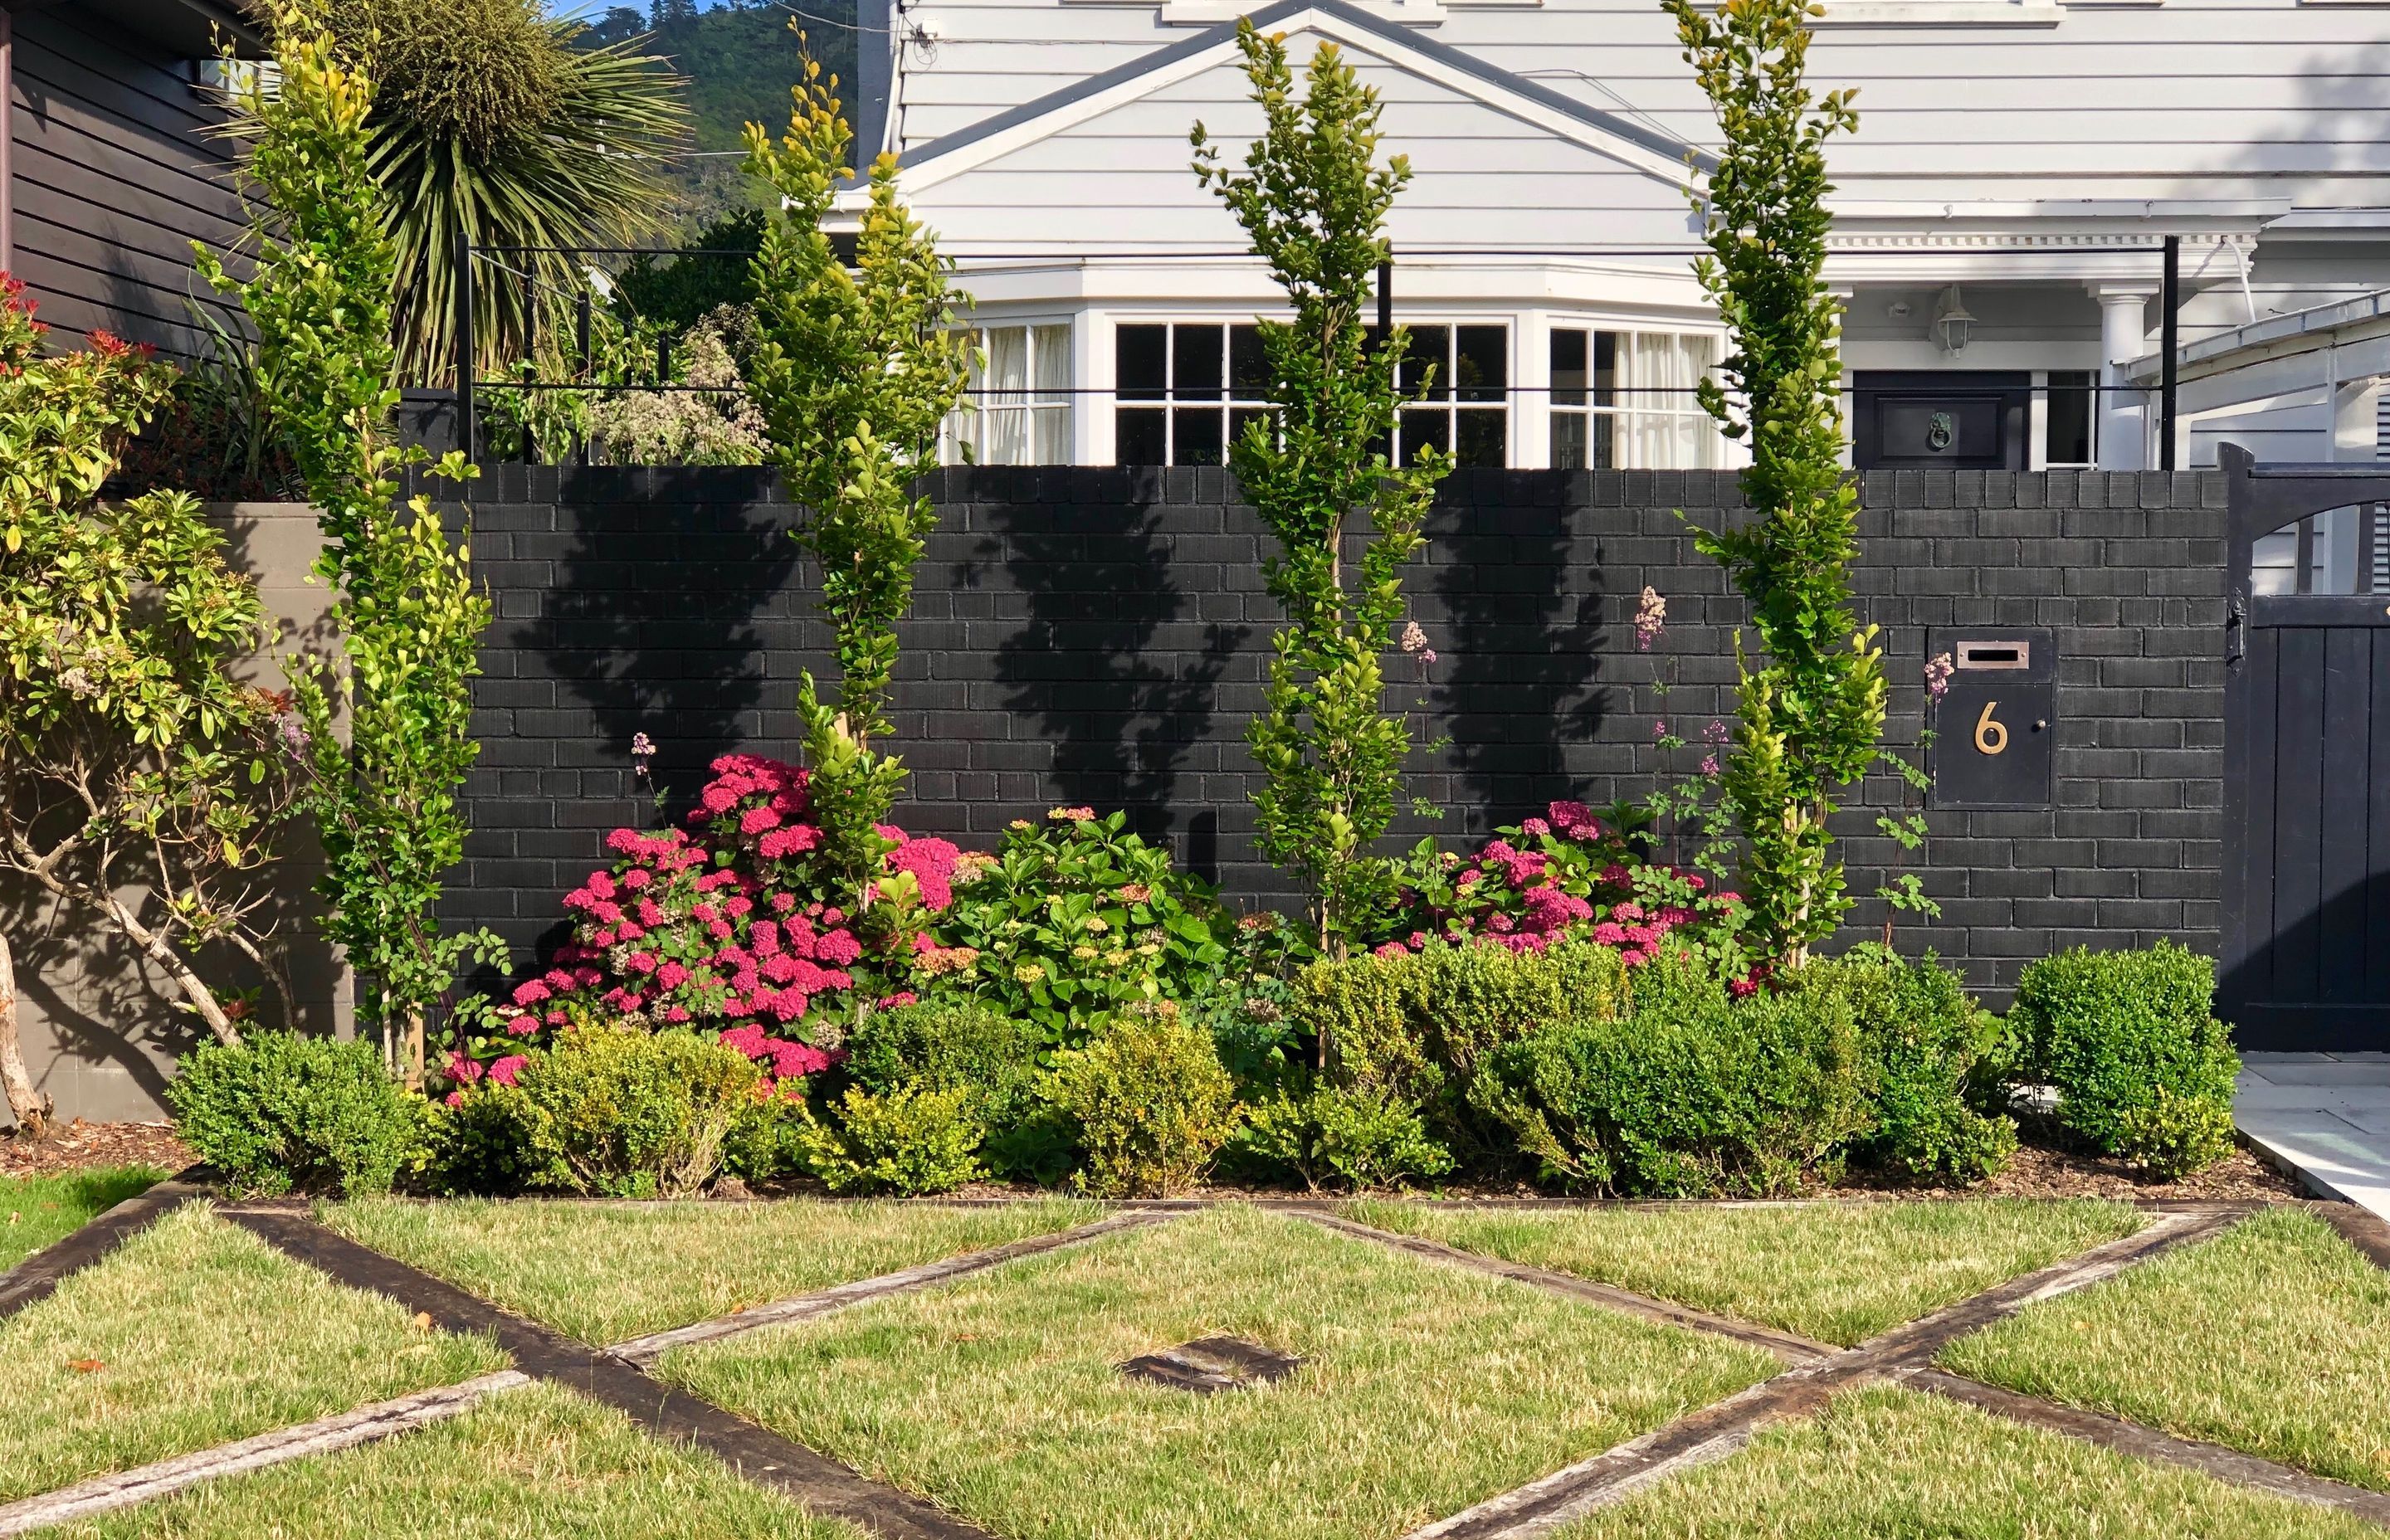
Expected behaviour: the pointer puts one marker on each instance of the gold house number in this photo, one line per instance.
(1991, 737)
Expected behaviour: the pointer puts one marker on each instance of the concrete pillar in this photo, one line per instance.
(2123, 337)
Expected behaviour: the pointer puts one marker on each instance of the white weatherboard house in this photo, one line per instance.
(2000, 215)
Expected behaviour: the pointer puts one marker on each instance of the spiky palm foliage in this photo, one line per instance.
(493, 119)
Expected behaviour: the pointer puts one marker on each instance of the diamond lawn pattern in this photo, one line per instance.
(1424, 1389)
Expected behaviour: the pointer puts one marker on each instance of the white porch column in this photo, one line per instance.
(2123, 337)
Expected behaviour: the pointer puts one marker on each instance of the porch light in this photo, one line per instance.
(1951, 322)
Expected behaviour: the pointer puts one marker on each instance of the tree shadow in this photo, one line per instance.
(1111, 660)
(1515, 616)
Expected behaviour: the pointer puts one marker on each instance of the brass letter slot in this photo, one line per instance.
(1990, 655)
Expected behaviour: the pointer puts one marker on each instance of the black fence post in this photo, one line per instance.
(2168, 303)
(467, 434)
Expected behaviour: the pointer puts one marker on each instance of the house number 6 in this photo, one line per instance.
(1991, 737)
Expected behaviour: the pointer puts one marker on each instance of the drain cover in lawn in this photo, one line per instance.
(1424, 1388)
(1210, 1364)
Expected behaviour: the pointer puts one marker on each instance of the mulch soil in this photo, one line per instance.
(80, 1146)
(2037, 1172)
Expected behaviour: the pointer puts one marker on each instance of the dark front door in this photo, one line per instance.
(1955, 419)
(2307, 768)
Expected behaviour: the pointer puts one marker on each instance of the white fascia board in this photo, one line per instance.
(919, 177)
(2045, 218)
(1656, 294)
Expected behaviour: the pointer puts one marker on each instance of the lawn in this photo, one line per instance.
(2274, 1337)
(605, 1272)
(1838, 1272)
(1882, 1462)
(1424, 1388)
(533, 1461)
(192, 1334)
(36, 1210)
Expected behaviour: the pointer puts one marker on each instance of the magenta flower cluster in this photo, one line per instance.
(1561, 876)
(721, 925)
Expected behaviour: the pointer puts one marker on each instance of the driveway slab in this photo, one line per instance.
(2325, 1117)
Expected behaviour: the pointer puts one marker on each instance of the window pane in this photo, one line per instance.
(1248, 367)
(1195, 355)
(1484, 438)
(1140, 361)
(1195, 434)
(1051, 372)
(1139, 437)
(1240, 416)
(2066, 439)
(1568, 371)
(1425, 427)
(1605, 368)
(1605, 438)
(1480, 364)
(1568, 441)
(1427, 361)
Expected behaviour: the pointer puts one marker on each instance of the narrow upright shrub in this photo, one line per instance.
(282, 1113)
(384, 801)
(1811, 712)
(1313, 199)
(2131, 1040)
(854, 372)
(1151, 1103)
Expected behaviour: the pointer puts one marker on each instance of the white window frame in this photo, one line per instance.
(1622, 414)
(1041, 399)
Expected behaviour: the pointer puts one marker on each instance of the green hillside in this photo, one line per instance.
(741, 59)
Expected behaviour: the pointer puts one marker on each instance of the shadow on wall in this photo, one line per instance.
(1518, 647)
(1119, 675)
(686, 633)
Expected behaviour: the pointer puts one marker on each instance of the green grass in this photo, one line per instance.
(608, 1272)
(2274, 1337)
(535, 1463)
(1838, 1272)
(1896, 1463)
(36, 1210)
(202, 1334)
(1424, 1389)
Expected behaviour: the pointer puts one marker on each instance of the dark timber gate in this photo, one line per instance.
(2305, 959)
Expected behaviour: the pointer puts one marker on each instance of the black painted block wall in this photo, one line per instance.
(1098, 636)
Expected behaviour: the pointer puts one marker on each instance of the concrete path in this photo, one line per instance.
(2326, 1116)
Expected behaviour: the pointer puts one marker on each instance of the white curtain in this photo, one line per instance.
(1004, 402)
(1051, 350)
(1664, 426)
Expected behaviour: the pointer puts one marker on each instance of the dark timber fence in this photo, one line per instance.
(1092, 635)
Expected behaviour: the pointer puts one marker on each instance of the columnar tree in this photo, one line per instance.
(404, 602)
(1313, 199)
(854, 371)
(1811, 712)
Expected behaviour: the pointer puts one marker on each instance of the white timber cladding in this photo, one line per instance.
(2188, 99)
(2033, 154)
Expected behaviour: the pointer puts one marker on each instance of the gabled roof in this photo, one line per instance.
(1641, 147)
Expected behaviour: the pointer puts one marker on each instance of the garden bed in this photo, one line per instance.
(80, 1146)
